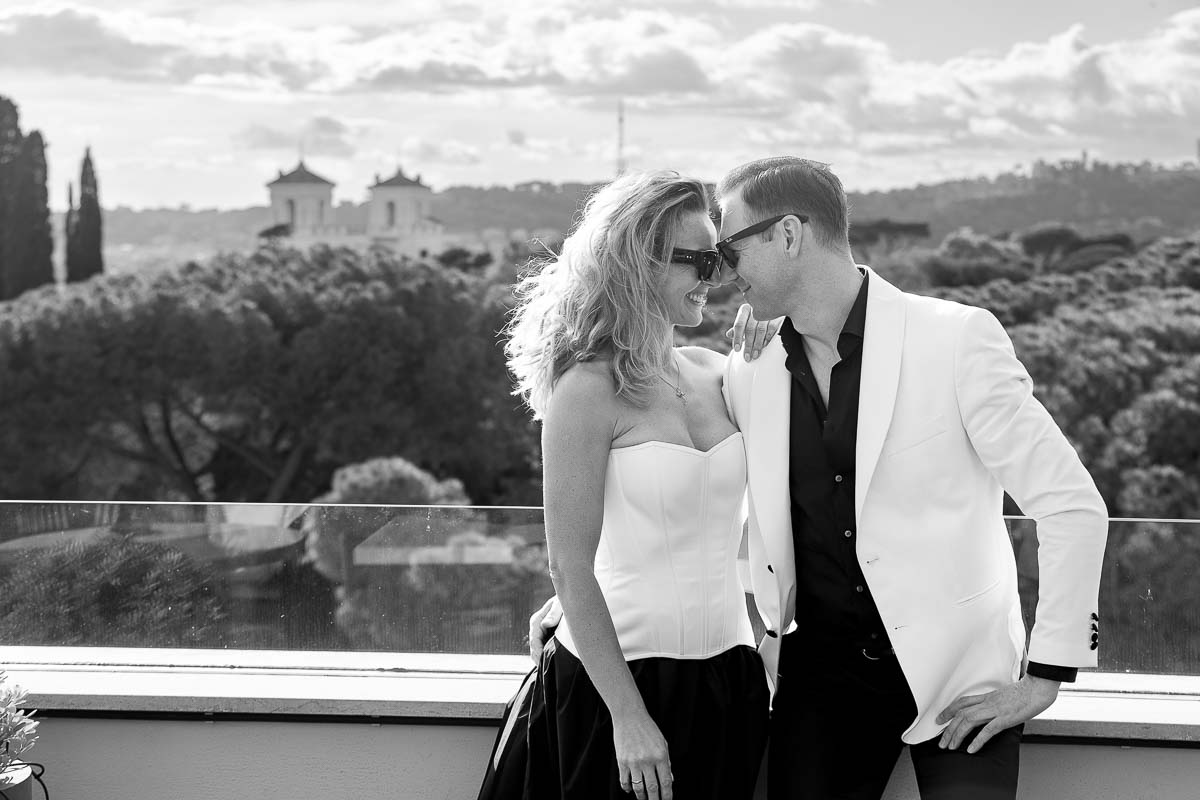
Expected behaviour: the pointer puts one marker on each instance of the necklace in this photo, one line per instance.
(678, 392)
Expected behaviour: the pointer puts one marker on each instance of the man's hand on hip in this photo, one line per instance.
(996, 711)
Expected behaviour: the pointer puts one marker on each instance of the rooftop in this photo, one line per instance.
(301, 174)
(399, 179)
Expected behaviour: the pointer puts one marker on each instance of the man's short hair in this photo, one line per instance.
(789, 184)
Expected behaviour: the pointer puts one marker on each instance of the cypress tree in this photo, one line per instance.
(10, 151)
(84, 238)
(29, 242)
(72, 240)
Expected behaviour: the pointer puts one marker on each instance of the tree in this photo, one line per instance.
(10, 152)
(967, 258)
(333, 532)
(464, 260)
(84, 239)
(69, 223)
(29, 242)
(1088, 257)
(253, 378)
(116, 591)
(1048, 242)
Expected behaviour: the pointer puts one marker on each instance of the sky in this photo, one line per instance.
(201, 102)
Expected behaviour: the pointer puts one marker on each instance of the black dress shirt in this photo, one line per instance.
(833, 602)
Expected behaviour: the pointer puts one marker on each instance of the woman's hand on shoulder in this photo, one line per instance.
(750, 335)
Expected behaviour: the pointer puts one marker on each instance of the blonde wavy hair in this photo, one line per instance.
(600, 298)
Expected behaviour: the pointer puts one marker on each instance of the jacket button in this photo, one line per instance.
(1095, 638)
(1095, 645)
(858, 589)
(837, 478)
(848, 534)
(773, 634)
(1095, 616)
(770, 568)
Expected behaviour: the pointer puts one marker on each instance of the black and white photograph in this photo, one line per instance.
(565, 400)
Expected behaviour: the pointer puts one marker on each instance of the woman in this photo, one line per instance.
(651, 683)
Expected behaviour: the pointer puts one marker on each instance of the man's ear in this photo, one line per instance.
(793, 235)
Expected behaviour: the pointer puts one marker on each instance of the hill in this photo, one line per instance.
(1143, 200)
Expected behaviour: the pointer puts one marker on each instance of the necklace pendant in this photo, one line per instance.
(681, 396)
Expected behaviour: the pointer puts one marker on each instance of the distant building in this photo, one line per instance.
(398, 214)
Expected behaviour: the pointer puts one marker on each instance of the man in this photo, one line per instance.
(882, 430)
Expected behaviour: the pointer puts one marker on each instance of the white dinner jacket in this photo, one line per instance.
(947, 422)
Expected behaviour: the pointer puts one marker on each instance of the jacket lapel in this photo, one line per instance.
(883, 345)
(768, 448)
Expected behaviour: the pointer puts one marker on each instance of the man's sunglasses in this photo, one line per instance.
(731, 256)
(706, 262)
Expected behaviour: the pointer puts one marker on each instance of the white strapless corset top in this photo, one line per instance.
(667, 559)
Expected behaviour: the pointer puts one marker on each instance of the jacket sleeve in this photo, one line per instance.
(1019, 442)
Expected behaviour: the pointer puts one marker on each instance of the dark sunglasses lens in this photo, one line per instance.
(709, 263)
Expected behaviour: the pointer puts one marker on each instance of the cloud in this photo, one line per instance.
(793, 83)
(129, 46)
(445, 76)
(833, 90)
(69, 42)
(547, 150)
(324, 136)
(419, 150)
(641, 53)
(649, 73)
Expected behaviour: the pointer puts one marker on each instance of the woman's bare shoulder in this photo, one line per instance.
(707, 359)
(586, 382)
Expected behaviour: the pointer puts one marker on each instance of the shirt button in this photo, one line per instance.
(837, 478)
(874, 635)
(858, 589)
(848, 534)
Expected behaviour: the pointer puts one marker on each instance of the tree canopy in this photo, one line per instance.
(252, 378)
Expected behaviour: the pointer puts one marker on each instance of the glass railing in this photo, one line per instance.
(436, 579)
(1149, 592)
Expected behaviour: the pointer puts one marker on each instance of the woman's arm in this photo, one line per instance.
(577, 436)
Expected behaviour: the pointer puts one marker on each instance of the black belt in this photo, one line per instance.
(843, 647)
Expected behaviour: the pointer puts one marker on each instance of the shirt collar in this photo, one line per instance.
(856, 320)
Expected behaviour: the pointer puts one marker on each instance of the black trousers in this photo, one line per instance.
(835, 734)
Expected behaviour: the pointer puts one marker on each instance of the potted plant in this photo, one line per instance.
(18, 732)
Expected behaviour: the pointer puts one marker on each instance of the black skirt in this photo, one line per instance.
(556, 738)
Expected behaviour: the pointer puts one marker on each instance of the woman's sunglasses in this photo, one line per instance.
(706, 262)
